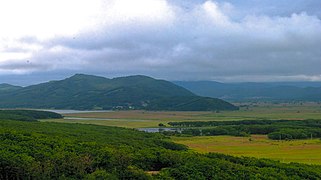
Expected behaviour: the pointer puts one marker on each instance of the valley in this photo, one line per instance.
(103, 136)
(248, 111)
(301, 151)
(160, 90)
(50, 150)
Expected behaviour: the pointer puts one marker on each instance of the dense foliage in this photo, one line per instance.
(275, 129)
(93, 92)
(28, 115)
(189, 103)
(40, 150)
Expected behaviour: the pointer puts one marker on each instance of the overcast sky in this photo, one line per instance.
(222, 40)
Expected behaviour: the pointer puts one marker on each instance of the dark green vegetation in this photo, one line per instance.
(93, 92)
(7, 87)
(37, 150)
(283, 91)
(28, 115)
(275, 129)
(192, 103)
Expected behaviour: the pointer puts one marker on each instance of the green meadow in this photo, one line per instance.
(249, 111)
(303, 151)
(258, 146)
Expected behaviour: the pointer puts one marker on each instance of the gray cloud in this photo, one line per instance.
(205, 40)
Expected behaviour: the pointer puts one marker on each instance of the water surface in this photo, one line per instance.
(155, 130)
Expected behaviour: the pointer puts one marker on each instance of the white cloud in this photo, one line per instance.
(158, 38)
(46, 18)
(138, 11)
(4, 57)
(215, 13)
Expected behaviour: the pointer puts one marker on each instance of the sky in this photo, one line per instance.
(218, 40)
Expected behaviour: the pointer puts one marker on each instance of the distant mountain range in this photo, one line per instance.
(279, 91)
(7, 87)
(93, 92)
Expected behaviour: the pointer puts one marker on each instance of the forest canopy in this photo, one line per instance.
(42, 150)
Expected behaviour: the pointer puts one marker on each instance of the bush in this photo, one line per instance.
(288, 134)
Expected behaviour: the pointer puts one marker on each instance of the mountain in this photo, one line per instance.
(278, 91)
(7, 87)
(93, 92)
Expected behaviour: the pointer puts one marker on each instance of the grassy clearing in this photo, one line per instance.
(144, 115)
(136, 119)
(259, 146)
(127, 123)
(133, 119)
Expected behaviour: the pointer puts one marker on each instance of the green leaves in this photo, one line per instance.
(41, 150)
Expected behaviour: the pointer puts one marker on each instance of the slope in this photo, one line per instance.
(8, 87)
(93, 92)
(281, 91)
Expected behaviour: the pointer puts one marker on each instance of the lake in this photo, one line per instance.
(70, 111)
(155, 130)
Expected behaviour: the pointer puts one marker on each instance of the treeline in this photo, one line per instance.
(189, 103)
(309, 123)
(275, 129)
(28, 115)
(34, 150)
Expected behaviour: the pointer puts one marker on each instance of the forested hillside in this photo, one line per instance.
(92, 92)
(8, 87)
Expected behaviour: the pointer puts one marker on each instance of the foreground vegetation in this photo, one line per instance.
(42, 150)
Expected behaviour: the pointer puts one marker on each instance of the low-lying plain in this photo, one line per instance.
(303, 151)
(259, 146)
(248, 111)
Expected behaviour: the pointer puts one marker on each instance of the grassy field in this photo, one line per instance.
(136, 119)
(259, 146)
(127, 123)
(304, 151)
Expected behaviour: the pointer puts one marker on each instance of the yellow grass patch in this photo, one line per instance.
(259, 146)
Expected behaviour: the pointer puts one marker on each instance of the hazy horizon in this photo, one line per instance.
(25, 82)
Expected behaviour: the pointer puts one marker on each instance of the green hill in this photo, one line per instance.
(268, 91)
(7, 87)
(92, 92)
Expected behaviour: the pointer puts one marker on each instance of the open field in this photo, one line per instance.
(303, 151)
(259, 146)
(136, 119)
(127, 123)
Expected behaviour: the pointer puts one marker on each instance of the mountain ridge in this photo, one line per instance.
(8, 87)
(270, 91)
(82, 91)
